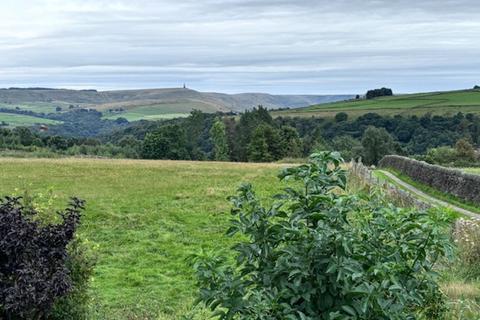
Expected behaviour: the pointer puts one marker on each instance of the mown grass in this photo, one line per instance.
(146, 217)
(439, 103)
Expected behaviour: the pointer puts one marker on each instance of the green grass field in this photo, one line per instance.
(441, 103)
(15, 120)
(159, 111)
(40, 107)
(146, 217)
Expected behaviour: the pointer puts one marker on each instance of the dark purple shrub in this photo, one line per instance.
(33, 270)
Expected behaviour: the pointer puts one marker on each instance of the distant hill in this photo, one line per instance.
(440, 103)
(154, 103)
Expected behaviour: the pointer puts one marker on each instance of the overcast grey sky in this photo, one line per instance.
(276, 46)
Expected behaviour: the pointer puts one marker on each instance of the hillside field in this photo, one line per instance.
(16, 120)
(437, 103)
(146, 217)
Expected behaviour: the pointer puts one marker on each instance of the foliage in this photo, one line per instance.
(291, 143)
(376, 143)
(441, 155)
(348, 147)
(316, 253)
(341, 116)
(80, 259)
(464, 150)
(169, 142)
(80, 262)
(33, 261)
(383, 92)
(264, 145)
(219, 139)
(467, 239)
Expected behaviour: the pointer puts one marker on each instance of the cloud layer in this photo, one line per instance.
(277, 46)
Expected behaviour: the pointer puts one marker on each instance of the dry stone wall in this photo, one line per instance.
(462, 185)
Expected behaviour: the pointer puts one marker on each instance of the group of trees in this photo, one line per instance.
(382, 92)
(22, 139)
(251, 136)
(255, 136)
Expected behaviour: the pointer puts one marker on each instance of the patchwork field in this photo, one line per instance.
(440, 103)
(146, 217)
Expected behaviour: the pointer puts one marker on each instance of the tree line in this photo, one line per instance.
(255, 136)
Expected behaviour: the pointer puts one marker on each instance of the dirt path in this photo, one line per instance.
(428, 198)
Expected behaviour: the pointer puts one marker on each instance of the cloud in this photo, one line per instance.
(279, 46)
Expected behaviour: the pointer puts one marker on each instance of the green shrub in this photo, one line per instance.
(76, 305)
(318, 253)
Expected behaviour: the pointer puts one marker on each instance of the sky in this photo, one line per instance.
(232, 46)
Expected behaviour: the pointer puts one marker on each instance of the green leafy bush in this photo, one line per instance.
(318, 253)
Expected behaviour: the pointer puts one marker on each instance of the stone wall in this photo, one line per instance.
(462, 185)
(400, 197)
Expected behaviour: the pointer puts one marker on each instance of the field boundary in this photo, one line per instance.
(432, 200)
(462, 185)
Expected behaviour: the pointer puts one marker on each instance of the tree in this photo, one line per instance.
(349, 147)
(379, 93)
(33, 259)
(341, 117)
(249, 121)
(265, 145)
(219, 139)
(58, 109)
(168, 142)
(464, 150)
(377, 143)
(291, 144)
(25, 135)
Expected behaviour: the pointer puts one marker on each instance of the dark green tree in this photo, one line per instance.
(341, 116)
(219, 139)
(168, 142)
(383, 92)
(291, 143)
(349, 147)
(377, 143)
(265, 145)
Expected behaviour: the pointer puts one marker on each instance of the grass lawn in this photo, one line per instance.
(440, 103)
(146, 217)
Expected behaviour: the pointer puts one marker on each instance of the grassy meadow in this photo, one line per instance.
(146, 217)
(439, 103)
